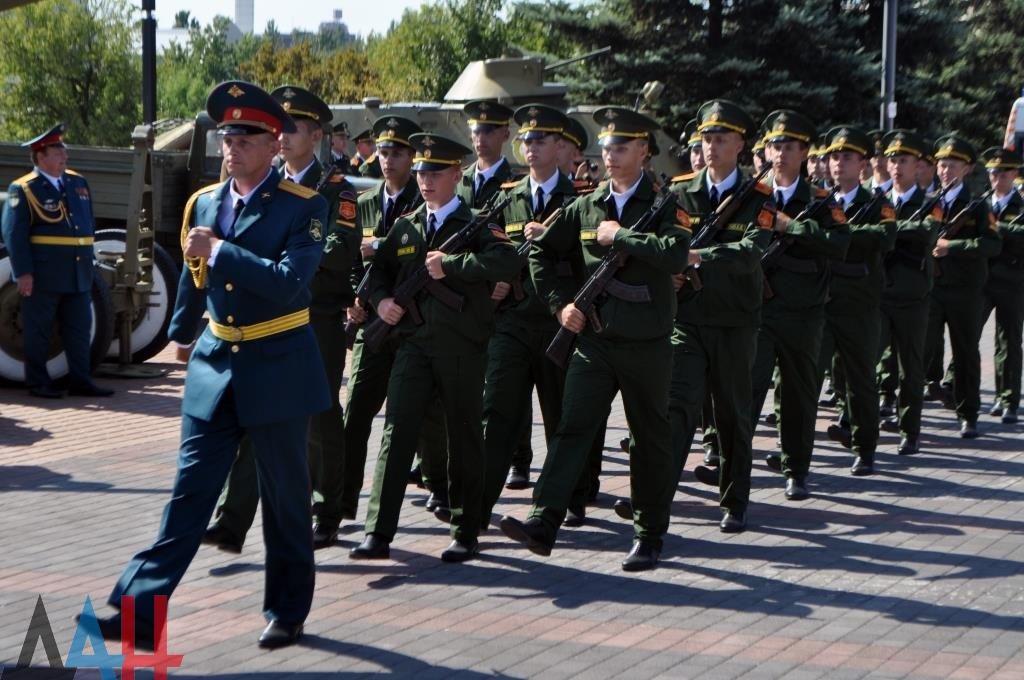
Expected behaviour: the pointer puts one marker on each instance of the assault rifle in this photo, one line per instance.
(777, 248)
(524, 248)
(953, 226)
(587, 297)
(405, 293)
(868, 208)
(719, 219)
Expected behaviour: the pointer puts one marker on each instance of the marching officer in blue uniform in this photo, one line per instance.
(252, 244)
(48, 230)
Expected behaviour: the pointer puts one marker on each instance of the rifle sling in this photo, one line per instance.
(445, 295)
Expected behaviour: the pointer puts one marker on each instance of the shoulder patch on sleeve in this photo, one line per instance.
(763, 188)
(682, 219)
(820, 193)
(937, 212)
(838, 216)
(497, 232)
(993, 223)
(888, 212)
(297, 190)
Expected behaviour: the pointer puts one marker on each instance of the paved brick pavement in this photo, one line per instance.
(916, 572)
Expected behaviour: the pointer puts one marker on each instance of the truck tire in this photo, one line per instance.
(12, 358)
(149, 327)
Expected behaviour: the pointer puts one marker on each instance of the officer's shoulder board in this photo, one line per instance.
(511, 185)
(685, 177)
(187, 213)
(297, 190)
(25, 179)
(72, 172)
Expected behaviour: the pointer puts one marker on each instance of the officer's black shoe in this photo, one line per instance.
(532, 533)
(89, 390)
(436, 499)
(843, 435)
(221, 537)
(771, 418)
(862, 466)
(624, 444)
(886, 406)
(624, 508)
(909, 445)
(45, 392)
(416, 476)
(1010, 415)
(642, 556)
(890, 424)
(968, 428)
(279, 634)
(575, 517)
(324, 536)
(373, 547)
(796, 489)
(518, 477)
(443, 513)
(706, 475)
(996, 410)
(711, 457)
(110, 629)
(460, 551)
(733, 522)
(773, 461)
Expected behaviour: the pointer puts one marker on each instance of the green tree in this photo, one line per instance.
(75, 62)
(340, 76)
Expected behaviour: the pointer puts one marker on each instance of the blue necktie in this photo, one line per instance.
(431, 227)
(239, 207)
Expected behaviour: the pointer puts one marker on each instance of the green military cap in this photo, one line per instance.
(241, 108)
(486, 115)
(341, 128)
(848, 138)
(394, 131)
(758, 146)
(620, 125)
(576, 133)
(434, 152)
(301, 103)
(52, 137)
(878, 147)
(954, 146)
(784, 124)
(690, 137)
(364, 136)
(536, 121)
(929, 154)
(722, 115)
(997, 159)
(908, 142)
(653, 147)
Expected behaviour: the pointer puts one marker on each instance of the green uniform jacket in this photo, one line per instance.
(814, 241)
(445, 330)
(730, 268)
(492, 186)
(370, 218)
(332, 291)
(533, 308)
(653, 258)
(857, 279)
(966, 265)
(908, 266)
(1009, 265)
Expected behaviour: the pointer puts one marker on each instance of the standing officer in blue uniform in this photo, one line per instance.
(48, 231)
(252, 245)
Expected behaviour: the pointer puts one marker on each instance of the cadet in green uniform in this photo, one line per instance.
(446, 355)
(525, 326)
(332, 294)
(488, 126)
(1004, 290)
(365, 163)
(339, 146)
(720, 310)
(961, 268)
(794, 312)
(852, 319)
(629, 352)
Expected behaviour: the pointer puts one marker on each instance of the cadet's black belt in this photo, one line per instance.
(61, 240)
(797, 264)
(628, 293)
(907, 258)
(849, 270)
(445, 295)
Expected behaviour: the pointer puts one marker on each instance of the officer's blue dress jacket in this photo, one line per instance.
(34, 208)
(260, 273)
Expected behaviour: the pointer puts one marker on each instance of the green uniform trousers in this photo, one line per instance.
(1007, 299)
(417, 381)
(855, 339)
(903, 332)
(795, 341)
(597, 370)
(961, 310)
(716, 360)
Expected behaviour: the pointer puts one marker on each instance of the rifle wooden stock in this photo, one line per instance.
(953, 227)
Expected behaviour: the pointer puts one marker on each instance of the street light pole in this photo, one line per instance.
(148, 62)
(888, 109)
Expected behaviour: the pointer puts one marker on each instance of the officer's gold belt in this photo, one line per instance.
(262, 329)
(61, 240)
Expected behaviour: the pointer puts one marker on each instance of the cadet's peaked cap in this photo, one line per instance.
(242, 108)
(340, 128)
(434, 152)
(954, 146)
(784, 124)
(485, 115)
(1001, 159)
(52, 137)
(722, 115)
(876, 139)
(908, 142)
(537, 121)
(364, 136)
(576, 133)
(301, 103)
(621, 125)
(690, 136)
(848, 138)
(394, 131)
